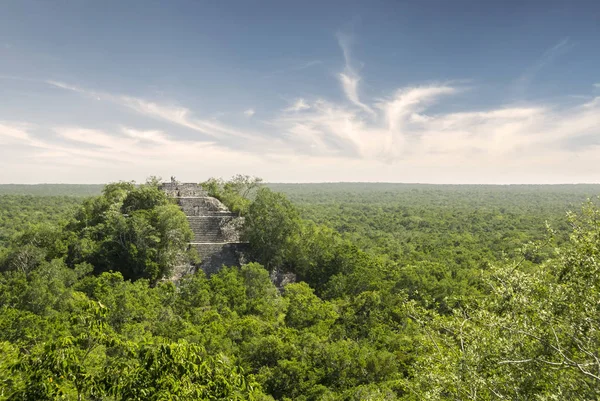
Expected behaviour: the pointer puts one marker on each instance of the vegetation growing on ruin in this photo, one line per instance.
(404, 292)
(236, 193)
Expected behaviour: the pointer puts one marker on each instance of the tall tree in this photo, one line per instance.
(236, 193)
(270, 226)
(131, 229)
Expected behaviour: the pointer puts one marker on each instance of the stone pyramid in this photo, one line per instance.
(216, 229)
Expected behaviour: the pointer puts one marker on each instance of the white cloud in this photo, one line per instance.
(403, 136)
(183, 117)
(345, 43)
(89, 136)
(174, 114)
(407, 103)
(63, 85)
(350, 86)
(333, 142)
(154, 136)
(79, 154)
(597, 85)
(350, 78)
(13, 132)
(19, 133)
(506, 139)
(299, 105)
(401, 132)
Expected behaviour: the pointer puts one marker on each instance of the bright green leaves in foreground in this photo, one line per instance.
(94, 362)
(180, 371)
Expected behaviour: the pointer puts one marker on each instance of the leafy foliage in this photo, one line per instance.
(402, 293)
(235, 193)
(132, 229)
(270, 225)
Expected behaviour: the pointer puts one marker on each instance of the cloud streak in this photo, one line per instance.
(299, 105)
(177, 115)
(349, 78)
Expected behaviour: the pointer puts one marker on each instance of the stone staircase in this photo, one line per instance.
(213, 256)
(208, 229)
(216, 229)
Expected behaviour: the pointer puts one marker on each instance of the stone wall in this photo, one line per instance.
(216, 255)
(178, 189)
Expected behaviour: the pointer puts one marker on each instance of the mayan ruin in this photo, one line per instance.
(216, 229)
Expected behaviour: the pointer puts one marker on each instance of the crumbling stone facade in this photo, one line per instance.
(216, 229)
(183, 190)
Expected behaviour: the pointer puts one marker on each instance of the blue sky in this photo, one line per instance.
(415, 91)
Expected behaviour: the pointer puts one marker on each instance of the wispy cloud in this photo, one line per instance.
(299, 105)
(402, 130)
(174, 114)
(63, 85)
(13, 132)
(349, 78)
(350, 82)
(345, 42)
(96, 153)
(505, 144)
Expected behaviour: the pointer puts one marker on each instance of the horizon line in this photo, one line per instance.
(336, 182)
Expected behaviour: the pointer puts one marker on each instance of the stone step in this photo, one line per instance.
(215, 255)
(199, 206)
(209, 239)
(208, 220)
(213, 228)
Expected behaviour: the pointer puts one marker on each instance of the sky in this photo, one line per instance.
(478, 92)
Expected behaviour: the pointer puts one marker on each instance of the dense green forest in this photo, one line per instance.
(17, 212)
(77, 190)
(403, 292)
